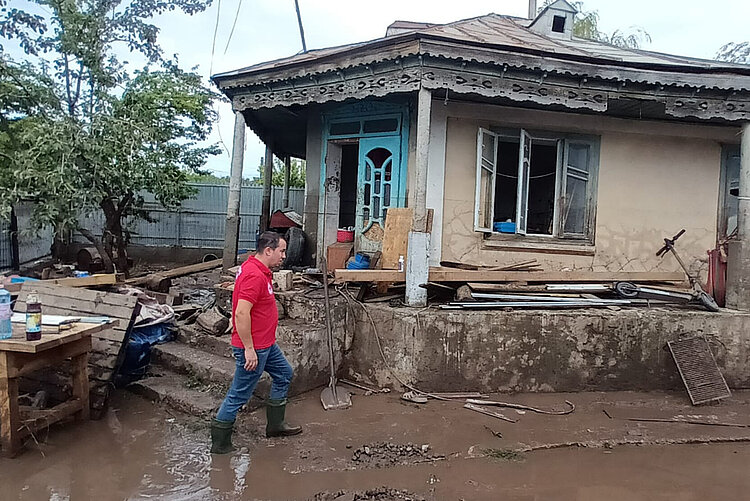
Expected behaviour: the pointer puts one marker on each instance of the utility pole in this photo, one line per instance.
(232, 229)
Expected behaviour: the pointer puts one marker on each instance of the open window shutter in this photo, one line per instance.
(484, 201)
(576, 187)
(522, 197)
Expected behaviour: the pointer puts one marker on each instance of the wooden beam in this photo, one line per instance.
(91, 281)
(181, 271)
(455, 275)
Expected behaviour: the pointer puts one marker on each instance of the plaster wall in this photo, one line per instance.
(654, 179)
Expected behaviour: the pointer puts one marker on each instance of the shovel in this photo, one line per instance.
(333, 396)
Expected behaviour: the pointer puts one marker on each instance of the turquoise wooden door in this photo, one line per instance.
(379, 187)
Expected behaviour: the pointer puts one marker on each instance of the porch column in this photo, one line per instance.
(417, 265)
(738, 259)
(287, 175)
(265, 208)
(232, 229)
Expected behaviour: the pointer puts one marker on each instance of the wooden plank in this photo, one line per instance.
(90, 281)
(453, 275)
(111, 298)
(38, 419)
(369, 276)
(183, 270)
(398, 223)
(18, 342)
(76, 307)
(20, 363)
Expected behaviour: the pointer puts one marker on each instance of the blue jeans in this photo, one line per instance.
(270, 360)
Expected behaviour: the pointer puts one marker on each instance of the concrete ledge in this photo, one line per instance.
(533, 351)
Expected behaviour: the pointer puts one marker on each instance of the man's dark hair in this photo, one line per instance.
(268, 240)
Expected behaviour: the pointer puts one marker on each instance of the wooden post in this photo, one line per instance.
(265, 211)
(232, 230)
(738, 259)
(417, 261)
(287, 175)
(80, 368)
(10, 437)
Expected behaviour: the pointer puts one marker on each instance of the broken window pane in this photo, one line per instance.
(574, 211)
(485, 200)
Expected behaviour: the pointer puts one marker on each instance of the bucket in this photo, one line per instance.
(345, 235)
(360, 262)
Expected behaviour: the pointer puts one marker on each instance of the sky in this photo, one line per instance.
(267, 29)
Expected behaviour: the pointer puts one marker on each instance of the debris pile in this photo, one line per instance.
(382, 454)
(379, 494)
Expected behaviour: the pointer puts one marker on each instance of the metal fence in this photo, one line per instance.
(6, 246)
(28, 245)
(200, 221)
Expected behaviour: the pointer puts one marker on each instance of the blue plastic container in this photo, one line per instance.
(505, 227)
(360, 262)
(6, 329)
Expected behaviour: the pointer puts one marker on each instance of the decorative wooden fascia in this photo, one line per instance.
(494, 81)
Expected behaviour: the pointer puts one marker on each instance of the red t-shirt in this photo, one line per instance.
(254, 283)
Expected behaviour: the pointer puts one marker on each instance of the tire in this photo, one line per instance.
(708, 302)
(295, 246)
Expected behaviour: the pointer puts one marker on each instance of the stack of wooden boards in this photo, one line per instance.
(107, 346)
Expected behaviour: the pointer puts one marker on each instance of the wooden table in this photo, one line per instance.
(19, 357)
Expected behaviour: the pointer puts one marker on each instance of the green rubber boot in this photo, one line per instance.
(276, 426)
(221, 436)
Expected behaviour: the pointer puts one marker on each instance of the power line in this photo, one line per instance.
(236, 16)
(213, 44)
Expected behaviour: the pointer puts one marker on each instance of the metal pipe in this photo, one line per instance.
(532, 9)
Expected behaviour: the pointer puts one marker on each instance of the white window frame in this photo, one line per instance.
(526, 140)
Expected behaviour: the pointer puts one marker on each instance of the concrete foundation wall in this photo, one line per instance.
(654, 179)
(541, 350)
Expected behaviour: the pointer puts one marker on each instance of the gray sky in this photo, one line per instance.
(267, 29)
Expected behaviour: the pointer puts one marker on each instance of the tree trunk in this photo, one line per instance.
(115, 237)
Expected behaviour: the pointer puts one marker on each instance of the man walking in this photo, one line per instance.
(255, 318)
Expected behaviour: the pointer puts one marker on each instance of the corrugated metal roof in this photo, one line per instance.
(508, 33)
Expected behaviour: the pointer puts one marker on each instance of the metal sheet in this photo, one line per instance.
(200, 221)
(703, 380)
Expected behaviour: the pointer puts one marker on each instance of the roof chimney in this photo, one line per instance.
(532, 9)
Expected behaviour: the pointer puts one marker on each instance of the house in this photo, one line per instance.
(525, 140)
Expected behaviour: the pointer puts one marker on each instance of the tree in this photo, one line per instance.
(586, 25)
(80, 134)
(734, 52)
(296, 173)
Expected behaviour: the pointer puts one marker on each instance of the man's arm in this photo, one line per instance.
(242, 324)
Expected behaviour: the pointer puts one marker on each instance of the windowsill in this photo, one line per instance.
(531, 243)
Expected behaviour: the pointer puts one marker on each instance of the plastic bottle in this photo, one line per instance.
(6, 329)
(33, 317)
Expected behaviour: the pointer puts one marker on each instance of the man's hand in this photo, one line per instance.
(251, 359)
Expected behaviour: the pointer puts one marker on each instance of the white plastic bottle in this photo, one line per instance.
(6, 329)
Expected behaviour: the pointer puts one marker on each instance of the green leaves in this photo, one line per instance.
(78, 134)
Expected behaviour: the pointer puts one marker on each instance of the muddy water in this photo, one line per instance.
(141, 452)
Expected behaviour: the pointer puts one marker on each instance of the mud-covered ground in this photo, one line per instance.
(386, 449)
